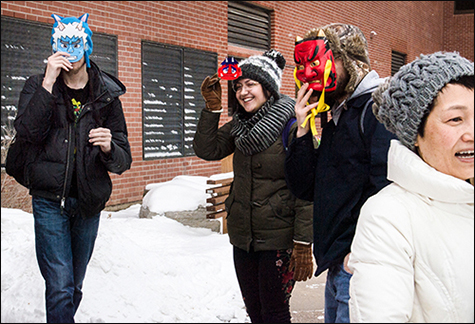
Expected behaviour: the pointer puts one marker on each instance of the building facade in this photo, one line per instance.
(162, 50)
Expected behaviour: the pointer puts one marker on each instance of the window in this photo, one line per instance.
(463, 7)
(397, 60)
(248, 25)
(171, 97)
(26, 47)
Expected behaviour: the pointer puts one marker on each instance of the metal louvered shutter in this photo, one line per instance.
(198, 65)
(26, 46)
(397, 60)
(172, 101)
(248, 25)
(162, 101)
(463, 7)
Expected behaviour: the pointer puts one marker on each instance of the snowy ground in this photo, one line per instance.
(142, 270)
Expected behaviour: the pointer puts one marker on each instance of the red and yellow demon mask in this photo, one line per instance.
(315, 65)
(311, 58)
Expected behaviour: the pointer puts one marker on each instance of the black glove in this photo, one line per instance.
(211, 92)
(301, 262)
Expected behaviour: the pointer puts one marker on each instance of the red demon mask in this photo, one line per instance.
(310, 57)
(229, 69)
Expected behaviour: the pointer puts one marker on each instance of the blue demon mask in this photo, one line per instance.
(72, 35)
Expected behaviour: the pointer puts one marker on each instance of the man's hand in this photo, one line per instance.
(56, 63)
(101, 137)
(211, 92)
(302, 110)
(301, 261)
(345, 263)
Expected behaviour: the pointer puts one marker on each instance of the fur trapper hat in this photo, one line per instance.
(349, 43)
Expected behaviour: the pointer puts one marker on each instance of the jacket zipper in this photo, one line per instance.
(68, 164)
(87, 106)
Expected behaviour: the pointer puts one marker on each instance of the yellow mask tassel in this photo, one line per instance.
(322, 106)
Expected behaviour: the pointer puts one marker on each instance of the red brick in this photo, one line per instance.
(411, 27)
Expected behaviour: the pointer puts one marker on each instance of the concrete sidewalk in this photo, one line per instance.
(308, 300)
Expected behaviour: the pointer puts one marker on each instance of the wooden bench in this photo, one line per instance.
(218, 193)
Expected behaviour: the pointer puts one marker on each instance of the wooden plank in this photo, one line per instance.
(218, 190)
(217, 200)
(227, 164)
(215, 207)
(225, 225)
(218, 193)
(220, 181)
(217, 215)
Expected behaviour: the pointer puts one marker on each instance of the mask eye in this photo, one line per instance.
(300, 67)
(315, 63)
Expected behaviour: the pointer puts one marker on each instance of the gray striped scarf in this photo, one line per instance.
(259, 132)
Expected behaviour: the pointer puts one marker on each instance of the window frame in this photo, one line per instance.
(396, 58)
(460, 9)
(243, 35)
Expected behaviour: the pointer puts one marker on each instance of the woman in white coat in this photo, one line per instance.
(412, 257)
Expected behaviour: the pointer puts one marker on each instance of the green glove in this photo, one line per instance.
(301, 262)
(211, 92)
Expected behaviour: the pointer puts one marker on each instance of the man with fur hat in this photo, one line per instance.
(269, 228)
(349, 165)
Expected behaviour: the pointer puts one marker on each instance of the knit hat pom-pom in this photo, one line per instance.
(277, 57)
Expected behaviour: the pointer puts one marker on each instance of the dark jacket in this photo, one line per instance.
(262, 212)
(44, 120)
(348, 167)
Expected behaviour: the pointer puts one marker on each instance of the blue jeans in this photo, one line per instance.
(337, 295)
(64, 243)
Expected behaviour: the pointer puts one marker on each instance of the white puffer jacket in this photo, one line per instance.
(413, 252)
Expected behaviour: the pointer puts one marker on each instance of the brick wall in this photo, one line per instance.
(458, 31)
(411, 27)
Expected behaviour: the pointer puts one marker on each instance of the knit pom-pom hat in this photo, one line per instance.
(401, 102)
(265, 69)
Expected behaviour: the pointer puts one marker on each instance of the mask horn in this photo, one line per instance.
(298, 39)
(58, 20)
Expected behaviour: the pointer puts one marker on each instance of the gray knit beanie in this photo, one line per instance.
(401, 102)
(265, 69)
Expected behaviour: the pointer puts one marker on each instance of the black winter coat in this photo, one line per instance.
(348, 167)
(262, 212)
(44, 121)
